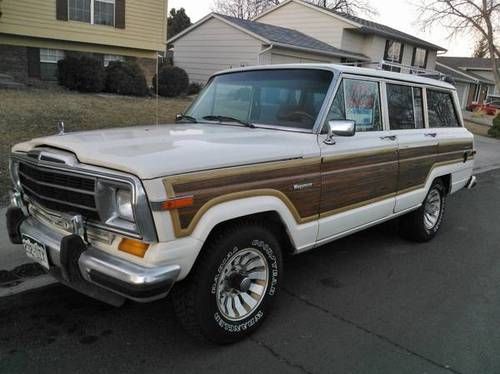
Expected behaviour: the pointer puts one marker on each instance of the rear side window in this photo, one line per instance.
(358, 101)
(405, 107)
(441, 109)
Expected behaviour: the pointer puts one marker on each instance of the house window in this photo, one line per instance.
(98, 12)
(110, 58)
(104, 12)
(393, 53)
(79, 10)
(419, 58)
(48, 63)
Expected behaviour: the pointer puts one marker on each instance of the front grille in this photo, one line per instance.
(59, 191)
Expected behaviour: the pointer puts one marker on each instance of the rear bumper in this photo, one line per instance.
(90, 270)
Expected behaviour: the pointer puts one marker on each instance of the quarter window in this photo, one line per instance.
(405, 107)
(441, 109)
(99, 12)
(358, 101)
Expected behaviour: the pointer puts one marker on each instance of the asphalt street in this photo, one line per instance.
(369, 303)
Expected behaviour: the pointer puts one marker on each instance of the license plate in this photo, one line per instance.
(36, 250)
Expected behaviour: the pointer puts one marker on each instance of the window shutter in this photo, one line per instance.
(34, 62)
(120, 14)
(62, 10)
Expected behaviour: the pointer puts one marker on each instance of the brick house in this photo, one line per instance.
(35, 34)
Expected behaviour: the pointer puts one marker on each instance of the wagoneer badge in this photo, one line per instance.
(299, 187)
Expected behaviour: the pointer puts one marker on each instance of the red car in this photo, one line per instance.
(489, 106)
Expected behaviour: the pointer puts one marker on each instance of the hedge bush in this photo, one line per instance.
(84, 74)
(125, 78)
(172, 81)
(495, 129)
(193, 88)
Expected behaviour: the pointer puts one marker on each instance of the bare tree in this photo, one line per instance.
(248, 9)
(351, 7)
(244, 9)
(481, 49)
(479, 17)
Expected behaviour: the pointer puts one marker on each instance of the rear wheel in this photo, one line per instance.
(423, 224)
(233, 284)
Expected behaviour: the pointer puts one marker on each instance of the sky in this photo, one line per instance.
(399, 14)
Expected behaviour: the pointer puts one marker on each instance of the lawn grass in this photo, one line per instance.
(30, 113)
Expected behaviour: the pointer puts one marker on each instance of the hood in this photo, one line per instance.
(156, 151)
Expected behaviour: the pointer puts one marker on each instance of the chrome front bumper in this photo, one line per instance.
(86, 268)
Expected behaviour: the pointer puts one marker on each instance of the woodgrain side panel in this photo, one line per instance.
(313, 188)
(273, 179)
(351, 180)
(415, 165)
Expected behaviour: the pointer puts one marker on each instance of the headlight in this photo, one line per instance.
(124, 205)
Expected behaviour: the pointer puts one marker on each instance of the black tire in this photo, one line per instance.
(195, 299)
(413, 226)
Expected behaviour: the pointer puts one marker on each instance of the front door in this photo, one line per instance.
(359, 173)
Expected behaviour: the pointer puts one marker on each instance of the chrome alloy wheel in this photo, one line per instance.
(242, 284)
(432, 209)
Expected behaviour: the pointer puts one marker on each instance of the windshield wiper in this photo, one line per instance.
(229, 119)
(184, 117)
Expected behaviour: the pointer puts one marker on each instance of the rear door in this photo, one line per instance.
(418, 146)
(359, 173)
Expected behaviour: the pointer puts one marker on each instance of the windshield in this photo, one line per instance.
(289, 98)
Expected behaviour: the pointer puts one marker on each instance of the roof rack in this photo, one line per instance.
(401, 68)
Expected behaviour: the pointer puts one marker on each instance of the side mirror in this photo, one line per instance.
(339, 128)
(178, 117)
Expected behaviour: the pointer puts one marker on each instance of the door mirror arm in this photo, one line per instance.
(339, 128)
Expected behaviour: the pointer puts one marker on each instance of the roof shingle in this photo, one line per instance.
(289, 37)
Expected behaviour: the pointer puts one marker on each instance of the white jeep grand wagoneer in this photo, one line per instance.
(266, 161)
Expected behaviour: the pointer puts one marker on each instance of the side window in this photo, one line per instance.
(358, 101)
(405, 107)
(441, 109)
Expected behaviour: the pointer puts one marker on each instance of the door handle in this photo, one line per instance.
(389, 137)
(431, 134)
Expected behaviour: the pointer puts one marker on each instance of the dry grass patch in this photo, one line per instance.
(27, 114)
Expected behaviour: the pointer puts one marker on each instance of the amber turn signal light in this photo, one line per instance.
(134, 247)
(177, 203)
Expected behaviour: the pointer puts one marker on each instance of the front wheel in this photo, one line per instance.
(233, 284)
(424, 223)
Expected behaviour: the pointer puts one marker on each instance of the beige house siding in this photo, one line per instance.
(352, 41)
(145, 25)
(308, 21)
(215, 46)
(280, 56)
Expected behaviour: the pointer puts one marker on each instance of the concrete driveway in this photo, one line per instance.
(369, 303)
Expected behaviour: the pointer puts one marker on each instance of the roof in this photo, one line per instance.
(370, 27)
(277, 36)
(461, 75)
(366, 26)
(412, 78)
(472, 63)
